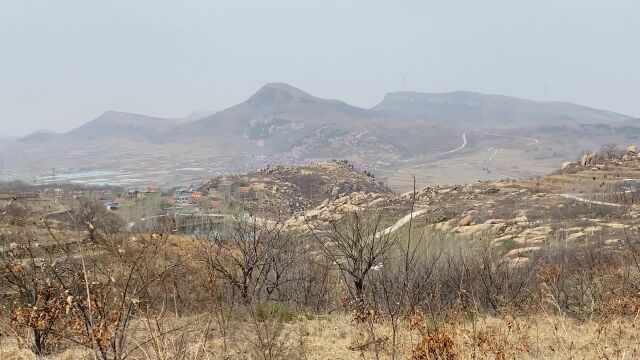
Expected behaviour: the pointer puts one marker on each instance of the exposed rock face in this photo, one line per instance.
(588, 159)
(286, 190)
(595, 160)
(331, 210)
(565, 165)
(466, 221)
(584, 160)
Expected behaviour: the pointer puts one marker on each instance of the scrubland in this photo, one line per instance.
(80, 286)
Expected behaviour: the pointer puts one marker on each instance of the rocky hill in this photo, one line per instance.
(591, 201)
(280, 191)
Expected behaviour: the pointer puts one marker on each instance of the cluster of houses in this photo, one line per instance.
(197, 199)
(186, 200)
(131, 194)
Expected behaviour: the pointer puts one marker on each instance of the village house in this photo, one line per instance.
(243, 193)
(182, 194)
(110, 205)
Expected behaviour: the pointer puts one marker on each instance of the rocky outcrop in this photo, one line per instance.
(281, 191)
(331, 210)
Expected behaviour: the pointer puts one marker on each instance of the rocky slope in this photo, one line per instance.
(592, 201)
(278, 191)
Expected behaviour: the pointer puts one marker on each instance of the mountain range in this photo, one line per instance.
(278, 106)
(280, 123)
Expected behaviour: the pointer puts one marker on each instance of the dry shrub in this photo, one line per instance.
(507, 341)
(437, 343)
(269, 338)
(440, 342)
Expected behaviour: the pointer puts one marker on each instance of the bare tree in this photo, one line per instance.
(250, 256)
(93, 217)
(88, 293)
(356, 243)
(610, 151)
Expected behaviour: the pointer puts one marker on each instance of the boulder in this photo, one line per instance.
(521, 220)
(592, 158)
(495, 221)
(632, 150)
(584, 160)
(466, 221)
(521, 252)
(575, 236)
(565, 165)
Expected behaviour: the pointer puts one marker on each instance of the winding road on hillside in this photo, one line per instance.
(464, 143)
(531, 141)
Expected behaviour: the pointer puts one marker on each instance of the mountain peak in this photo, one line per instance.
(273, 93)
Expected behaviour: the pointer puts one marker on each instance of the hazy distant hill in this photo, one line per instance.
(275, 106)
(469, 109)
(39, 136)
(113, 123)
(109, 125)
(279, 117)
(282, 118)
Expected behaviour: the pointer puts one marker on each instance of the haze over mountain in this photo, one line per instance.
(282, 108)
(109, 125)
(447, 137)
(475, 110)
(276, 105)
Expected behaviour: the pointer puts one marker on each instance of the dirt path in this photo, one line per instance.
(400, 223)
(494, 154)
(577, 198)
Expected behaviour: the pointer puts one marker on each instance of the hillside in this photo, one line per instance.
(475, 110)
(506, 269)
(120, 124)
(278, 191)
(589, 202)
(280, 118)
(276, 106)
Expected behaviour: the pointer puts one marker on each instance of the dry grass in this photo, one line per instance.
(337, 337)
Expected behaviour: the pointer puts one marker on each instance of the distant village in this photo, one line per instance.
(191, 199)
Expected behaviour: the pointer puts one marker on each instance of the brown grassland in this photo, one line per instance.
(80, 286)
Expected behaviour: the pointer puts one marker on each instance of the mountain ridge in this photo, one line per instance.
(473, 109)
(284, 103)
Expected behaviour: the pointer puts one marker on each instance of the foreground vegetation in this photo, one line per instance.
(84, 287)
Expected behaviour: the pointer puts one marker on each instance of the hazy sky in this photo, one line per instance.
(63, 63)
